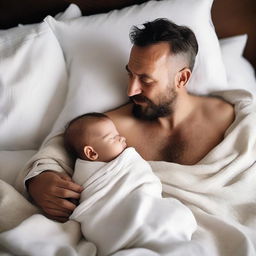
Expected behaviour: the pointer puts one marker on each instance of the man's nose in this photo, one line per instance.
(134, 87)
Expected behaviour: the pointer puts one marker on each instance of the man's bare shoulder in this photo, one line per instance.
(124, 120)
(124, 110)
(122, 116)
(215, 108)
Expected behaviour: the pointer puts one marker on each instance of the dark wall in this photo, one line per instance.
(234, 17)
(13, 12)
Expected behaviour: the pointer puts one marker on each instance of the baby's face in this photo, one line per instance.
(105, 140)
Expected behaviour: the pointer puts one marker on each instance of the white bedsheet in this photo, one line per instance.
(220, 191)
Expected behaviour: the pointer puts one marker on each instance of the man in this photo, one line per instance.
(163, 122)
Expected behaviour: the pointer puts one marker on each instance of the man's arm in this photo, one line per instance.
(48, 181)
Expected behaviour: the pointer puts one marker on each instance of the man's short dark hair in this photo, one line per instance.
(181, 39)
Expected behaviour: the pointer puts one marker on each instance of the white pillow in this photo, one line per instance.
(97, 49)
(240, 73)
(12, 162)
(33, 83)
(71, 12)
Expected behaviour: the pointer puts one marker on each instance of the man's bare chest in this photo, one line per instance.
(191, 139)
(184, 146)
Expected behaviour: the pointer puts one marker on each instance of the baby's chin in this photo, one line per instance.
(124, 147)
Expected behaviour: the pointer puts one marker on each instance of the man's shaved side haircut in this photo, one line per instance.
(181, 39)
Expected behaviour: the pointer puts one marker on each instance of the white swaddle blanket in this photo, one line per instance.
(122, 207)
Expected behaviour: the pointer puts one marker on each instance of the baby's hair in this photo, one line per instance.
(91, 114)
(74, 139)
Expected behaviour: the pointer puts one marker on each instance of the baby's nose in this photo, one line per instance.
(122, 139)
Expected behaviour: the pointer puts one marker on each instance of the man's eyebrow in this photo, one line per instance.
(140, 75)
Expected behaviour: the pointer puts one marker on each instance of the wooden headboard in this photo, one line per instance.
(230, 17)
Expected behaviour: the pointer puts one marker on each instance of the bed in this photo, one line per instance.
(47, 68)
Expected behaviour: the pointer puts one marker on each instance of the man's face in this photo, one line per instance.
(151, 86)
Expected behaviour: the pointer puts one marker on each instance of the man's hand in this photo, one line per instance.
(51, 191)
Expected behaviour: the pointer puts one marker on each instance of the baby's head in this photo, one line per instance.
(94, 137)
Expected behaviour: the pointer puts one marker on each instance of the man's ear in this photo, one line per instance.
(90, 153)
(182, 77)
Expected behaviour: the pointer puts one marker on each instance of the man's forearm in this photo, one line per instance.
(51, 156)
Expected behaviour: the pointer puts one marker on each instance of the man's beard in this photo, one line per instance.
(153, 111)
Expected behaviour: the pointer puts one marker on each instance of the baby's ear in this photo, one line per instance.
(90, 153)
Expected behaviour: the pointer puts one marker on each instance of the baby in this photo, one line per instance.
(121, 206)
(94, 137)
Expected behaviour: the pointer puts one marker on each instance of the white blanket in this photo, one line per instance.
(220, 190)
(122, 207)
